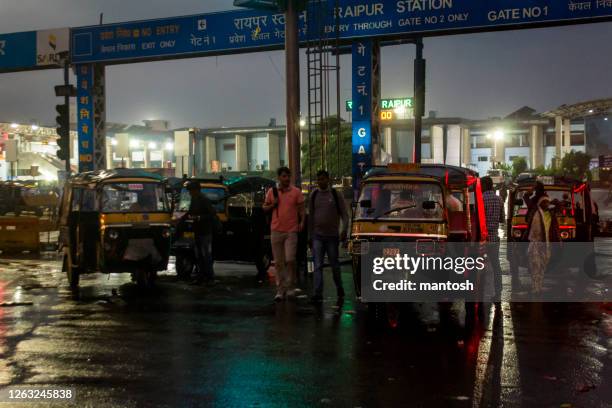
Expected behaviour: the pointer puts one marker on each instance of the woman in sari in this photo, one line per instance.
(543, 230)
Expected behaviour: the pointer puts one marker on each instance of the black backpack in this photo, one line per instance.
(314, 197)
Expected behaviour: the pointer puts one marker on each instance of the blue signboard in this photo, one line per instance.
(85, 116)
(362, 109)
(32, 49)
(17, 50)
(246, 30)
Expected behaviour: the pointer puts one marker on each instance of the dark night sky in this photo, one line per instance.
(473, 76)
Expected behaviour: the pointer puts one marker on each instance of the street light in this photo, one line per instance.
(14, 125)
(498, 134)
(302, 123)
(152, 145)
(134, 144)
(114, 142)
(35, 127)
(169, 146)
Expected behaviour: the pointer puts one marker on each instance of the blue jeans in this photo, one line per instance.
(321, 246)
(203, 257)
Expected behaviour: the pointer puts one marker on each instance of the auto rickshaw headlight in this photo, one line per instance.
(166, 233)
(112, 234)
(517, 233)
(564, 235)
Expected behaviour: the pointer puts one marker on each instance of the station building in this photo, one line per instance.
(478, 144)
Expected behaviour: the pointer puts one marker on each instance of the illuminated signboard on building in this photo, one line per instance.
(388, 104)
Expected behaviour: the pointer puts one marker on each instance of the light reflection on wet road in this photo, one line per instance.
(229, 345)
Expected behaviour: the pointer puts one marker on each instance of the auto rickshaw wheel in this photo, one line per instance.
(145, 278)
(184, 267)
(72, 273)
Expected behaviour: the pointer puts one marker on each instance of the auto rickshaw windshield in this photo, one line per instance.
(400, 201)
(133, 197)
(215, 195)
(561, 197)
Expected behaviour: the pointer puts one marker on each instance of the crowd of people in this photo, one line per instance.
(327, 227)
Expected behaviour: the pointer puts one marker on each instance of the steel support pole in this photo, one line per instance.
(419, 96)
(292, 76)
(67, 103)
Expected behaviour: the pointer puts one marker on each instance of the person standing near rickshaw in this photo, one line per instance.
(204, 220)
(543, 230)
(494, 215)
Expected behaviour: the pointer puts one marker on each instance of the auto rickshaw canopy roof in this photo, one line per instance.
(452, 176)
(548, 181)
(101, 176)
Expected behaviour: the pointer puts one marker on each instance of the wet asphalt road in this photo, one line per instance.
(231, 346)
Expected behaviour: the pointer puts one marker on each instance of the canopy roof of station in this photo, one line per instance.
(582, 109)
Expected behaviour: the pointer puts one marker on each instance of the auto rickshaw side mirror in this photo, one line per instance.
(518, 202)
(429, 205)
(365, 204)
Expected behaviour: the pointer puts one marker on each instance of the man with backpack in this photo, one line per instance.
(286, 202)
(205, 222)
(326, 209)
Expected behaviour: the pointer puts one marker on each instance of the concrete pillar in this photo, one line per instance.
(453, 149)
(273, 151)
(437, 144)
(242, 158)
(210, 152)
(558, 136)
(390, 143)
(499, 151)
(466, 147)
(109, 154)
(147, 156)
(567, 136)
(536, 143)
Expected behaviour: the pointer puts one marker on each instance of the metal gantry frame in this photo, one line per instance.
(323, 61)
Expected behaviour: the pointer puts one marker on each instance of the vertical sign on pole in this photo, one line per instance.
(362, 109)
(85, 116)
(98, 93)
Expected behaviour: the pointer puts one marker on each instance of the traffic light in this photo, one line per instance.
(63, 131)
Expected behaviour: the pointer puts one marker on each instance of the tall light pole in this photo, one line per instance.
(292, 75)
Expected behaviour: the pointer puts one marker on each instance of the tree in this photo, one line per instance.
(314, 163)
(519, 165)
(575, 164)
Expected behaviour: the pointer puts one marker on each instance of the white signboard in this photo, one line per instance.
(49, 43)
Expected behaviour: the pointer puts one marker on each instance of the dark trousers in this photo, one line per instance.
(203, 257)
(496, 272)
(320, 247)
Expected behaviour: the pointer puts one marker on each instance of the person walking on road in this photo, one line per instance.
(326, 209)
(204, 219)
(494, 215)
(286, 203)
(543, 230)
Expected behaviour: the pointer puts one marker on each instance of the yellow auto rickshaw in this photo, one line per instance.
(115, 221)
(414, 203)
